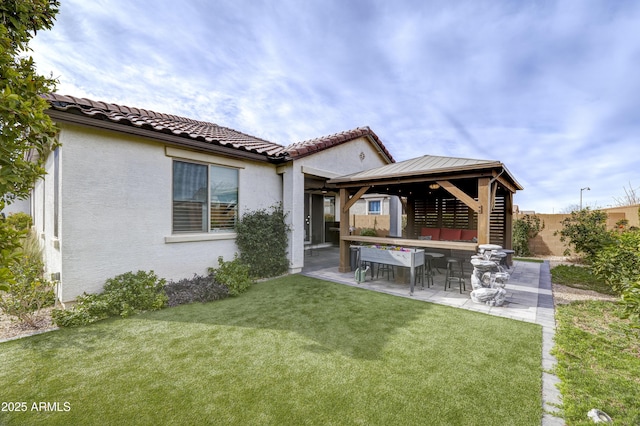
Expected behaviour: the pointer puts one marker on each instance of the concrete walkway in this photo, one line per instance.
(529, 298)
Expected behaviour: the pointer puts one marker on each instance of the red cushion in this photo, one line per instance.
(449, 234)
(434, 233)
(468, 234)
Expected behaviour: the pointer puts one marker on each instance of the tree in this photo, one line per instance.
(631, 197)
(585, 230)
(27, 134)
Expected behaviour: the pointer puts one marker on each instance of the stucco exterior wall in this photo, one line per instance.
(548, 244)
(350, 157)
(116, 206)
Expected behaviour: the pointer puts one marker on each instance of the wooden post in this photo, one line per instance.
(344, 231)
(508, 220)
(411, 218)
(484, 214)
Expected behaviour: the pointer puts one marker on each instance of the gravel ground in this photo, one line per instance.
(10, 329)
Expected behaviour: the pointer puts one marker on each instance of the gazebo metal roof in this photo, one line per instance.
(425, 167)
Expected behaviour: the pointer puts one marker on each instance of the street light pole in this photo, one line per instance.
(582, 189)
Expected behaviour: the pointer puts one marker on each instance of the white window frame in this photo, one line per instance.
(373, 212)
(176, 154)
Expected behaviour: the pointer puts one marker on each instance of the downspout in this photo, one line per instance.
(490, 206)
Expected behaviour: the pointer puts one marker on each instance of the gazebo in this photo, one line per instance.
(438, 193)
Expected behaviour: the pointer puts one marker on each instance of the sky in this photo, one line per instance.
(549, 88)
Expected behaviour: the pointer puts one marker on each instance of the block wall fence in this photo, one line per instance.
(545, 244)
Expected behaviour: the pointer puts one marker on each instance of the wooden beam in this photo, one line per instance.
(398, 180)
(460, 195)
(344, 232)
(346, 206)
(485, 212)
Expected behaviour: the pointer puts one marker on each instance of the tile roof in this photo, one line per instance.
(166, 123)
(206, 132)
(311, 146)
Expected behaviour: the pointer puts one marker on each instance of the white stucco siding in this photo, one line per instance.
(350, 157)
(117, 207)
(345, 158)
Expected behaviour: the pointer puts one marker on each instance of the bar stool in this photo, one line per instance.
(428, 269)
(455, 273)
(386, 268)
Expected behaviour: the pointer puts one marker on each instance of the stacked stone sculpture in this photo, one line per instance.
(488, 277)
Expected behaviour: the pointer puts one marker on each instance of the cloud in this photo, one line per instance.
(546, 87)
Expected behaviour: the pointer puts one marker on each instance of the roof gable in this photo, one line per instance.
(312, 146)
(198, 134)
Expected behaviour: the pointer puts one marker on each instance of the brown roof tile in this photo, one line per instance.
(166, 123)
(311, 146)
(203, 131)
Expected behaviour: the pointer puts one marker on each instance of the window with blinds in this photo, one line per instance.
(205, 197)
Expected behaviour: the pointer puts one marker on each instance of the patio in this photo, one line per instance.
(529, 298)
(526, 299)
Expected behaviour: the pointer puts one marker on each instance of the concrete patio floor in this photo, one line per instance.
(529, 298)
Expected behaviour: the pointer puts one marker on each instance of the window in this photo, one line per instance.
(373, 207)
(205, 197)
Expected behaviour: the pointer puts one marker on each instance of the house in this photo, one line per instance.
(132, 189)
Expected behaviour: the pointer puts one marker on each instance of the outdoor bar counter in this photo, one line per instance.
(405, 242)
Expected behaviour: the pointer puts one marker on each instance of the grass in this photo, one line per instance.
(598, 362)
(579, 277)
(528, 259)
(290, 351)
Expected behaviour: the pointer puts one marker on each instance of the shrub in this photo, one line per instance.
(368, 232)
(88, 309)
(10, 242)
(262, 242)
(20, 221)
(619, 262)
(27, 292)
(586, 231)
(130, 293)
(123, 295)
(523, 230)
(619, 265)
(631, 301)
(233, 274)
(199, 288)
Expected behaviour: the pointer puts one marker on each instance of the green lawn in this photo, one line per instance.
(580, 277)
(598, 362)
(290, 351)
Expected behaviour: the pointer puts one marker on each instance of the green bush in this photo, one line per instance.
(586, 232)
(199, 288)
(262, 242)
(123, 295)
(631, 301)
(619, 265)
(20, 221)
(619, 262)
(234, 275)
(26, 290)
(523, 230)
(10, 242)
(368, 232)
(130, 293)
(88, 309)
